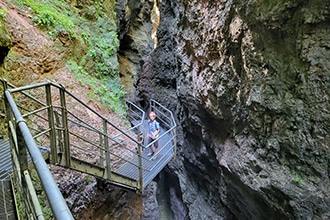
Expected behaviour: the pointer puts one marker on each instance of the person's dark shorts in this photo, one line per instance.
(155, 144)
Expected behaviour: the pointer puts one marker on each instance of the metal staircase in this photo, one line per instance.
(7, 203)
(44, 116)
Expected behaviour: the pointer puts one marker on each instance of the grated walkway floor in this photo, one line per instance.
(5, 160)
(7, 204)
(151, 165)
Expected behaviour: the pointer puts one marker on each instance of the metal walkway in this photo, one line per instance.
(45, 115)
(6, 167)
(7, 203)
(151, 165)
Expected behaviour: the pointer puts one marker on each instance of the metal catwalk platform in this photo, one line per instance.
(77, 137)
(7, 204)
(152, 165)
(6, 167)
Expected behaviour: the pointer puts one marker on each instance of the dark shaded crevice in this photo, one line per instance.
(245, 203)
(3, 53)
(125, 44)
(172, 191)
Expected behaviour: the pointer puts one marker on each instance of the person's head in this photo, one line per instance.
(152, 115)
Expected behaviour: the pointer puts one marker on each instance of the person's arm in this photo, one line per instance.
(157, 131)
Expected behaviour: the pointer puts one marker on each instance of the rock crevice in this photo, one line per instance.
(249, 84)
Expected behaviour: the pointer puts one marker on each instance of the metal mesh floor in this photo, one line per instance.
(5, 160)
(7, 205)
(151, 165)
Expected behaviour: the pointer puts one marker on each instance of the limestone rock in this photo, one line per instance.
(249, 83)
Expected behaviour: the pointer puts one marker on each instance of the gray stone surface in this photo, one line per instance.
(249, 83)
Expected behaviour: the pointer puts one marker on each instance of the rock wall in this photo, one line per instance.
(249, 83)
(134, 32)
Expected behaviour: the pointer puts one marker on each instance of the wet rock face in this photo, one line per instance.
(249, 83)
(134, 32)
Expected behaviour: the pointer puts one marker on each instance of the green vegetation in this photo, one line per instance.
(298, 180)
(46, 210)
(2, 14)
(18, 199)
(51, 16)
(109, 90)
(90, 27)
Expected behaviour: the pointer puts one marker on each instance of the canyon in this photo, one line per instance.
(249, 84)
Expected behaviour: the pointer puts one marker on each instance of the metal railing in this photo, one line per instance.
(23, 143)
(46, 115)
(166, 120)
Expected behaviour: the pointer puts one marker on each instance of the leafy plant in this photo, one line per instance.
(51, 15)
(115, 94)
(3, 14)
(298, 180)
(94, 26)
(101, 57)
(108, 90)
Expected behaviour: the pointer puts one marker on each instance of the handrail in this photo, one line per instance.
(21, 89)
(164, 108)
(65, 129)
(31, 143)
(160, 112)
(112, 138)
(159, 137)
(55, 198)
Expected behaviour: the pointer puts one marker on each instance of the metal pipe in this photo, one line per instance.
(92, 110)
(140, 167)
(23, 88)
(55, 198)
(35, 111)
(107, 150)
(41, 133)
(66, 135)
(51, 124)
(165, 110)
(34, 196)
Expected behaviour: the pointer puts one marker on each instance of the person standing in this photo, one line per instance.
(153, 132)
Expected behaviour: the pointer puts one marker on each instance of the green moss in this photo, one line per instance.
(90, 29)
(108, 90)
(298, 180)
(3, 14)
(5, 40)
(90, 24)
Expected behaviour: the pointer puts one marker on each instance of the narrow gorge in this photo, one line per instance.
(249, 84)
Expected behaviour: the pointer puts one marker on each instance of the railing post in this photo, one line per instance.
(32, 193)
(25, 138)
(140, 168)
(139, 135)
(107, 149)
(5, 87)
(66, 135)
(174, 142)
(23, 166)
(51, 123)
(8, 112)
(101, 140)
(22, 153)
(59, 134)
